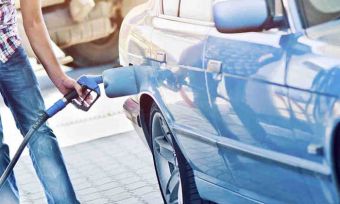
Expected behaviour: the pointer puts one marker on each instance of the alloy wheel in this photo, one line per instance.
(166, 162)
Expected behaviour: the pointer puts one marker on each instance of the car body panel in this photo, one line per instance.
(135, 31)
(251, 106)
(185, 92)
(261, 129)
(150, 80)
(314, 97)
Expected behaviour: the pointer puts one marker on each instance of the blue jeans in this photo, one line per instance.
(19, 88)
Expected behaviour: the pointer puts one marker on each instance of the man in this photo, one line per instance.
(20, 91)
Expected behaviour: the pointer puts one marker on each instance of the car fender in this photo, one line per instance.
(141, 81)
(331, 131)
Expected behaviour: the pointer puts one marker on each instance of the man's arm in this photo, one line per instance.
(39, 39)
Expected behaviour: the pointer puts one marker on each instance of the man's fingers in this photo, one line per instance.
(85, 97)
(79, 89)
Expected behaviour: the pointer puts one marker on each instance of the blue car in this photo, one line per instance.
(238, 99)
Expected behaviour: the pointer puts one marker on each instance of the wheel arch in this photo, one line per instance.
(146, 100)
(145, 107)
(334, 153)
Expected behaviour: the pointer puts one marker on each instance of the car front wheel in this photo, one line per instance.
(175, 176)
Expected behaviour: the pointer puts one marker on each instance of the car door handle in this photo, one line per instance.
(215, 67)
(315, 149)
(158, 56)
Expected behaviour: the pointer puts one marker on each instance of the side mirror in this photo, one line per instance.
(239, 16)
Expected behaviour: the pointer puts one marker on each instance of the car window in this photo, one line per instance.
(315, 12)
(278, 13)
(276, 8)
(171, 7)
(196, 9)
(326, 6)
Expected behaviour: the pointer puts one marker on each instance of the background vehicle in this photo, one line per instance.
(239, 100)
(85, 30)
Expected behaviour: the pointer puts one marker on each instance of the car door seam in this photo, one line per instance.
(283, 159)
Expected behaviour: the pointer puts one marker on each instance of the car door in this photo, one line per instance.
(179, 36)
(313, 79)
(246, 82)
(312, 112)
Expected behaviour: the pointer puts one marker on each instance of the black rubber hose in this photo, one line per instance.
(40, 121)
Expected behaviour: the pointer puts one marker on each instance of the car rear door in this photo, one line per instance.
(179, 36)
(246, 82)
(313, 79)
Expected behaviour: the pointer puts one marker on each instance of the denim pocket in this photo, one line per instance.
(17, 73)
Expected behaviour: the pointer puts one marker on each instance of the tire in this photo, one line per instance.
(98, 52)
(336, 156)
(171, 171)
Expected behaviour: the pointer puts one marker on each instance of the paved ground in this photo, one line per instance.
(107, 162)
(116, 169)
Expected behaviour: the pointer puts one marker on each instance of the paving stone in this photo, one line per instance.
(114, 191)
(26, 202)
(129, 180)
(102, 171)
(130, 201)
(121, 197)
(87, 191)
(152, 198)
(111, 185)
(135, 185)
(98, 201)
(90, 197)
(144, 190)
(82, 186)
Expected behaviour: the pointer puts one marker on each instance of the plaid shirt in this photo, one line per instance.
(9, 38)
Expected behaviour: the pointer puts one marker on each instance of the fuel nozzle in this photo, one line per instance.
(90, 84)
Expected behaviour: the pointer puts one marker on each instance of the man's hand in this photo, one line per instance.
(67, 84)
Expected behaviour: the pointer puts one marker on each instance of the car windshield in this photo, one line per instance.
(315, 12)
